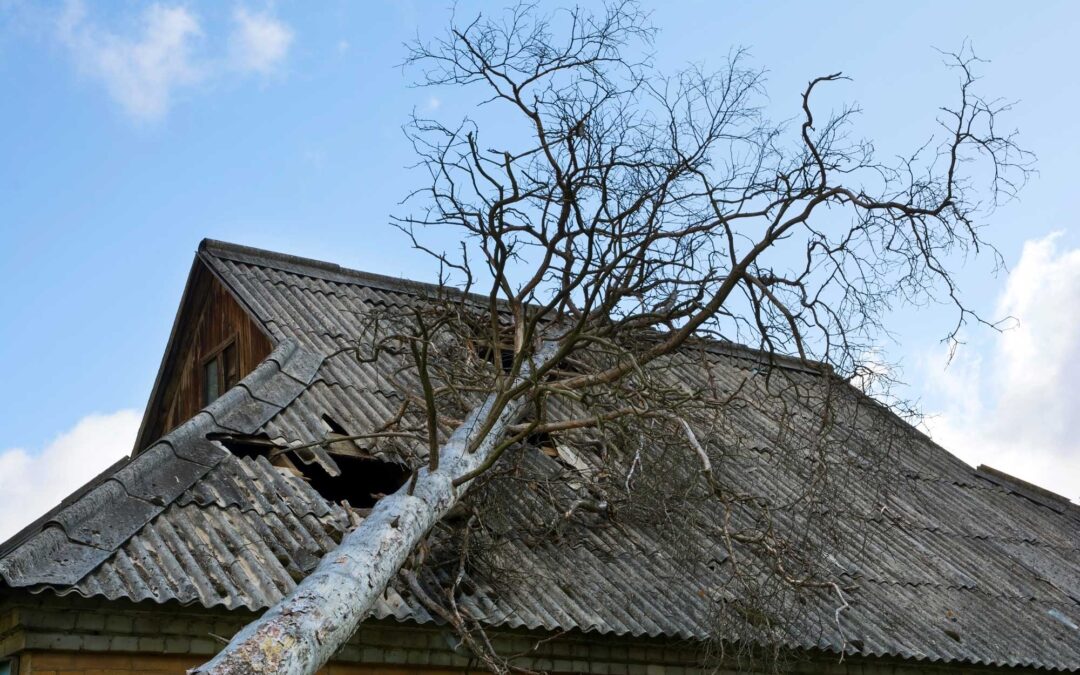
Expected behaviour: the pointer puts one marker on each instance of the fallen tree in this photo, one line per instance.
(626, 217)
(303, 631)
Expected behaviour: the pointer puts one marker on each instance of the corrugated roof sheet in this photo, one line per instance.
(962, 566)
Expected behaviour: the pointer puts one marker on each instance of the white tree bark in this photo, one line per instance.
(306, 628)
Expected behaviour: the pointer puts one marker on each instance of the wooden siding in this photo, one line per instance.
(210, 318)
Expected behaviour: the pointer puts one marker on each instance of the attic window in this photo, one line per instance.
(220, 371)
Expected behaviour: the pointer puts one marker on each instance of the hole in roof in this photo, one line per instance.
(487, 352)
(564, 453)
(543, 442)
(362, 482)
(244, 446)
(333, 426)
(495, 349)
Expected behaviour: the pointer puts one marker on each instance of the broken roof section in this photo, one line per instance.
(964, 567)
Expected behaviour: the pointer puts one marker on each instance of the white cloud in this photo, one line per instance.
(140, 72)
(143, 69)
(259, 42)
(1017, 407)
(33, 483)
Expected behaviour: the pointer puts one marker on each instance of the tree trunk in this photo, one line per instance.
(306, 628)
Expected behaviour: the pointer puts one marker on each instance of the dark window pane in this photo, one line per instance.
(211, 381)
(230, 366)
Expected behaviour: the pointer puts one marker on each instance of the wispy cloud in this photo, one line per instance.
(1016, 407)
(259, 41)
(141, 71)
(167, 51)
(32, 483)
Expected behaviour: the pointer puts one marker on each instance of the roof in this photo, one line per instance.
(961, 565)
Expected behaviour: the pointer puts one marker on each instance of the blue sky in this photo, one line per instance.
(130, 131)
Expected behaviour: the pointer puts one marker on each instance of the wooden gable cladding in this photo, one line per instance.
(209, 320)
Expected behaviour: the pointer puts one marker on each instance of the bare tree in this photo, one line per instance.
(618, 228)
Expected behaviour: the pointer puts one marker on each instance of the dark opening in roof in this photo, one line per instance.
(362, 481)
(503, 353)
(245, 446)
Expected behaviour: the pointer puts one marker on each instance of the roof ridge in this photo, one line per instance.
(1031, 491)
(290, 263)
(321, 269)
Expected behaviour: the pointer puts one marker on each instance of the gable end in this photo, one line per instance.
(210, 320)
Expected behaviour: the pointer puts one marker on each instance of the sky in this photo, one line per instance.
(132, 130)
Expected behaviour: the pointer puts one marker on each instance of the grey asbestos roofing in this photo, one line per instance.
(966, 566)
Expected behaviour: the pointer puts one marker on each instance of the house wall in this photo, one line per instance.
(78, 636)
(86, 663)
(209, 318)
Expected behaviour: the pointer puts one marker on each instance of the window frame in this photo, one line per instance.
(217, 356)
